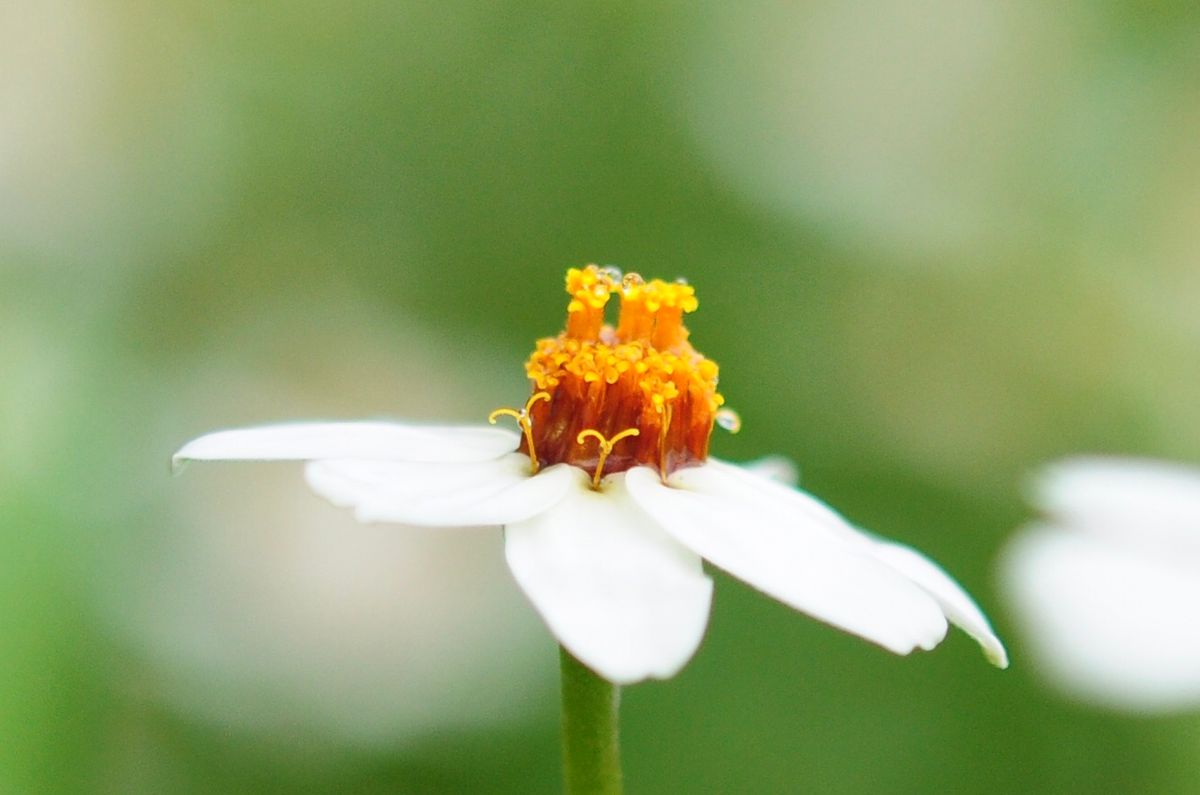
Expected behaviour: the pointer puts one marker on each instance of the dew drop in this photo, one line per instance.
(729, 419)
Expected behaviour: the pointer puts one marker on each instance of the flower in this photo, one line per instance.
(1107, 585)
(610, 500)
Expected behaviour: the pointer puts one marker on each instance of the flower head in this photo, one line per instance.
(1107, 585)
(610, 500)
(641, 382)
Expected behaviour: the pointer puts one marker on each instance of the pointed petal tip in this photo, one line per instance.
(992, 649)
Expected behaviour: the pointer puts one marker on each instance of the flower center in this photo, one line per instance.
(607, 399)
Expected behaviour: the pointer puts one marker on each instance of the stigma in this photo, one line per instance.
(609, 397)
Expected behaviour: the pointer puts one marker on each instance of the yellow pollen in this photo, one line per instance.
(606, 447)
(525, 420)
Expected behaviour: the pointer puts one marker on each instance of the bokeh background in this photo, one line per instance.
(935, 243)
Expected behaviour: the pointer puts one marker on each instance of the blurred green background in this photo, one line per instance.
(935, 243)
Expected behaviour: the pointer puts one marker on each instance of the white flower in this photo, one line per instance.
(1108, 585)
(609, 499)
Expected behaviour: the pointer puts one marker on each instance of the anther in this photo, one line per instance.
(606, 447)
(524, 418)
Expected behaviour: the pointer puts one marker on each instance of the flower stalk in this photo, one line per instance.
(591, 752)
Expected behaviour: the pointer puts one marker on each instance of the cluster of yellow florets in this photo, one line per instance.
(657, 294)
(648, 347)
(608, 397)
(658, 374)
(557, 357)
(589, 287)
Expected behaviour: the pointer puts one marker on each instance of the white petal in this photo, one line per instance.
(1109, 624)
(390, 441)
(618, 593)
(751, 484)
(1152, 501)
(793, 549)
(956, 603)
(439, 494)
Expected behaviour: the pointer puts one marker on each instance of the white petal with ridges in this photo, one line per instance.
(492, 492)
(751, 485)
(1112, 624)
(618, 593)
(956, 603)
(793, 549)
(389, 441)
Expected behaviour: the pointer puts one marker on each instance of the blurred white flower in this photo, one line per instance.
(1107, 586)
(609, 500)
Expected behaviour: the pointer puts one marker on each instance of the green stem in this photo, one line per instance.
(591, 756)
